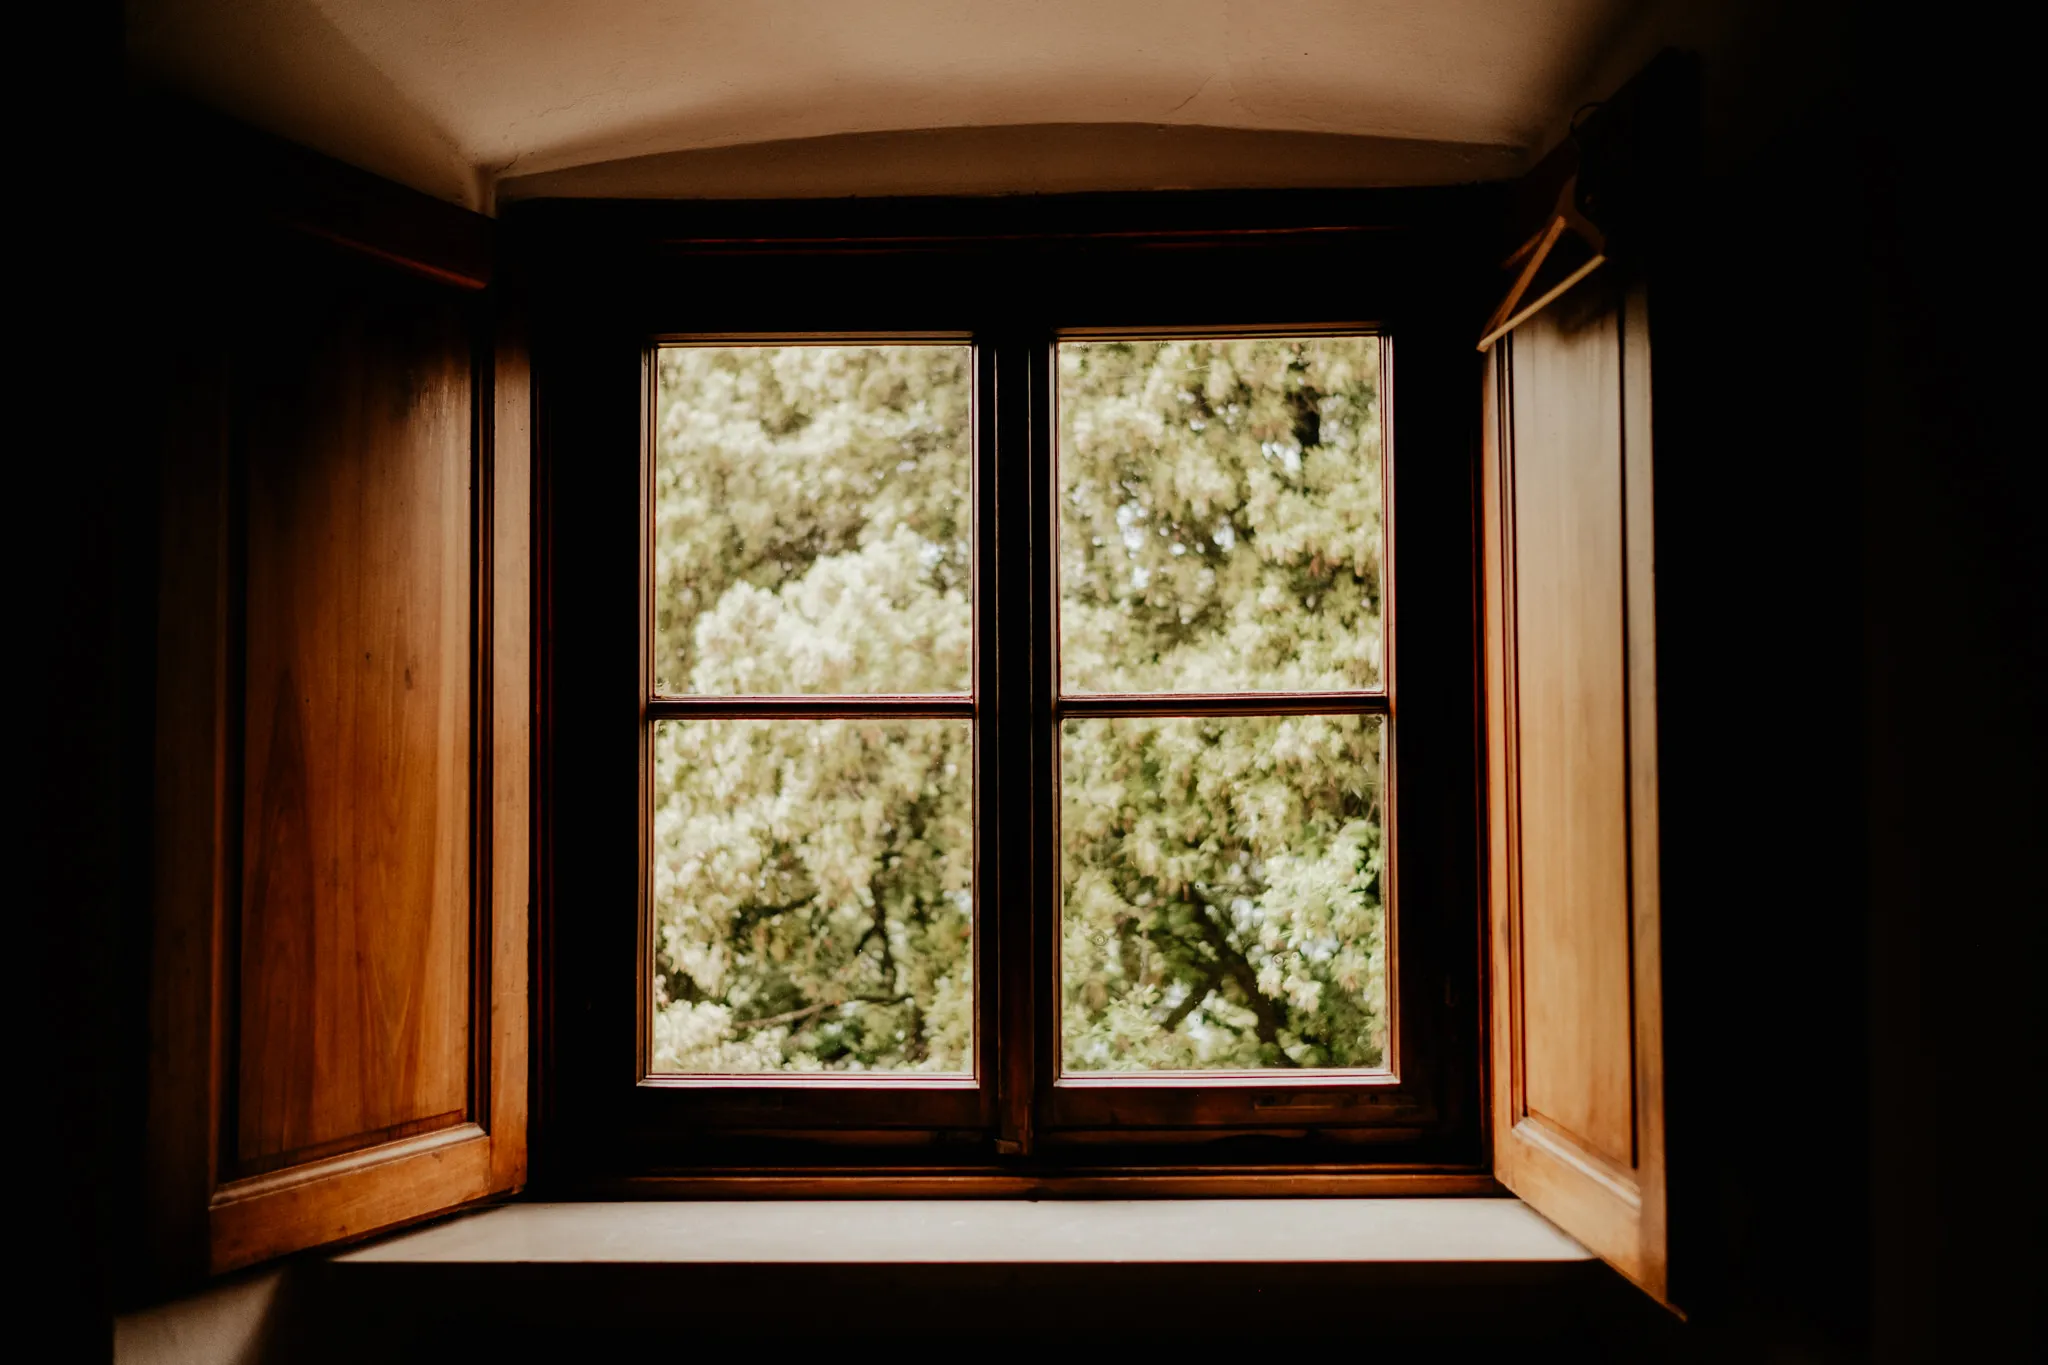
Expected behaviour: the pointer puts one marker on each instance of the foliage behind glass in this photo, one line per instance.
(1220, 528)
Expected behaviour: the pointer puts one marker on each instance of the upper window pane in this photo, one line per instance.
(1221, 515)
(812, 520)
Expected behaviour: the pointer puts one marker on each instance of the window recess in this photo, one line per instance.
(1015, 791)
(1500, 746)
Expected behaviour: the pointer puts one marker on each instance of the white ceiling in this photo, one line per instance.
(456, 96)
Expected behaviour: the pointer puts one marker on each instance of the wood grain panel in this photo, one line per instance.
(1573, 723)
(356, 442)
(1646, 868)
(344, 712)
(346, 1196)
(511, 767)
(1572, 797)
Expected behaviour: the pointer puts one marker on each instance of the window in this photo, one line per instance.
(812, 719)
(1022, 787)
(1221, 827)
(1120, 707)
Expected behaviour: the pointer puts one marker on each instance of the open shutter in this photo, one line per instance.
(1571, 689)
(1578, 1096)
(338, 994)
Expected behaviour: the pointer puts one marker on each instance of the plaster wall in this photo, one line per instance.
(281, 66)
(229, 1323)
(451, 96)
(1023, 158)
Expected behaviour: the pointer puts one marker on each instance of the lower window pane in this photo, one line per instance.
(1223, 894)
(813, 896)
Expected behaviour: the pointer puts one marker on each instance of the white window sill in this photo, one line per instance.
(1359, 1232)
(578, 1281)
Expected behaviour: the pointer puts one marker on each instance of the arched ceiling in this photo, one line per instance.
(461, 96)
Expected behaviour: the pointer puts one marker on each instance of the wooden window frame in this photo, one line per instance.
(872, 1106)
(611, 282)
(1103, 1107)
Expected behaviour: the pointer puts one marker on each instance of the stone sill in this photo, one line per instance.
(538, 1280)
(997, 1232)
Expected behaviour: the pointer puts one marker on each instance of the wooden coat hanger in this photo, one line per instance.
(1565, 217)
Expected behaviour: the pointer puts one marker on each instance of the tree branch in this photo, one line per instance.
(750, 913)
(1238, 969)
(880, 929)
(794, 1016)
(1189, 1003)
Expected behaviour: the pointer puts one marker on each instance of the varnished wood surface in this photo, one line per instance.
(1364, 703)
(798, 707)
(355, 902)
(347, 1196)
(1572, 797)
(339, 952)
(1572, 721)
(505, 990)
(1225, 1180)
(1646, 871)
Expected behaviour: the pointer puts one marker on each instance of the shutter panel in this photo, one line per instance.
(1577, 1020)
(339, 962)
(1577, 1025)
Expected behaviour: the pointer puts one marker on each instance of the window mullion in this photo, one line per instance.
(1015, 721)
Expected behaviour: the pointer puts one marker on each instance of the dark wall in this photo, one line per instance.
(80, 544)
(1953, 537)
(1761, 687)
(82, 554)
(1850, 605)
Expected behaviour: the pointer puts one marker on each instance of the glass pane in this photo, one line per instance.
(813, 896)
(1220, 515)
(1224, 893)
(812, 519)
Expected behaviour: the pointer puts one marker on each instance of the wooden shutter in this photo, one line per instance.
(1578, 1099)
(1569, 585)
(338, 1014)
